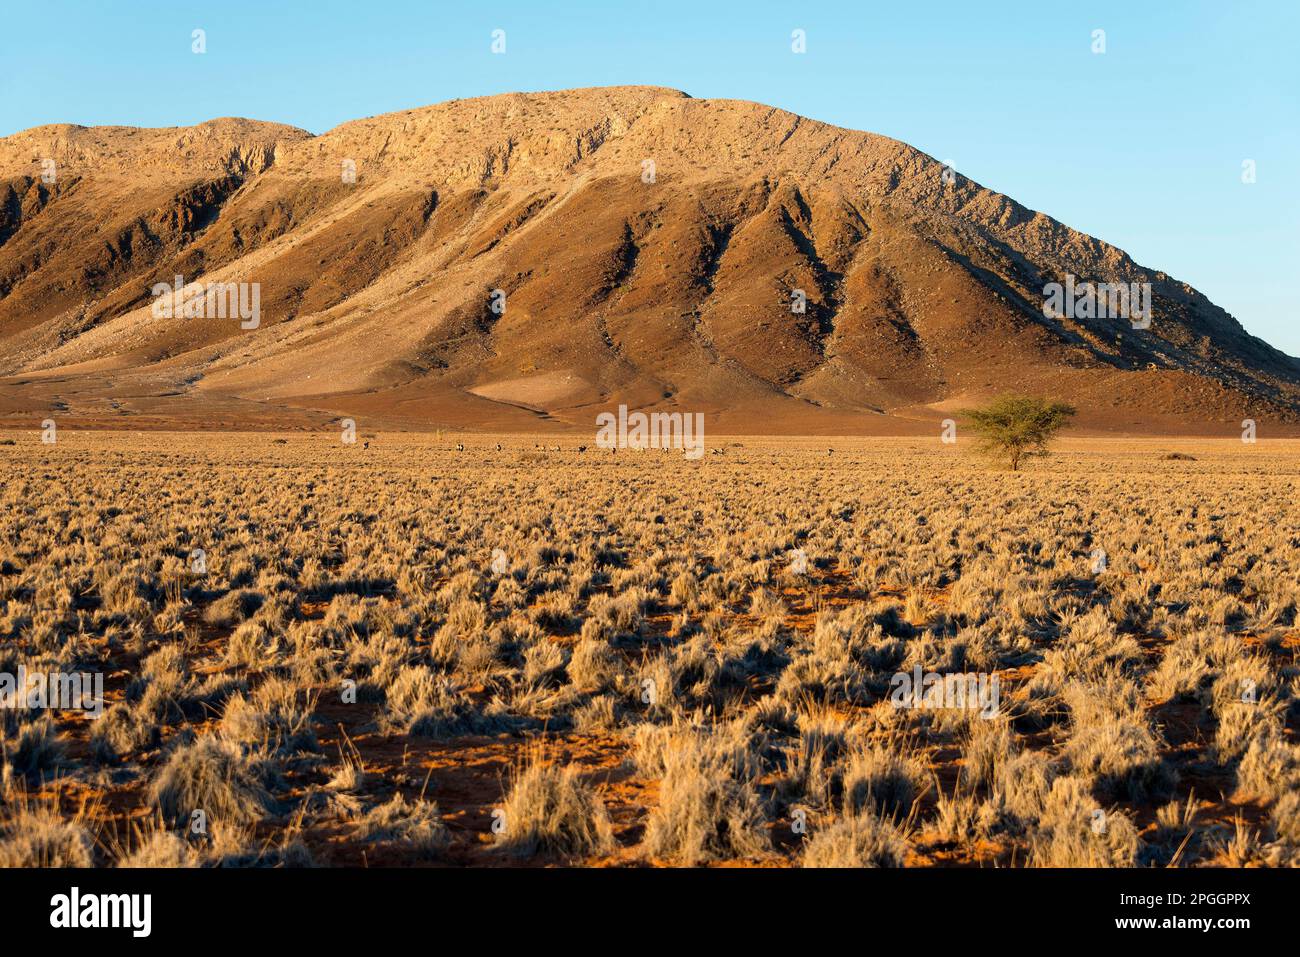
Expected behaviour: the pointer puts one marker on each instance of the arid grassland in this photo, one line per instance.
(408, 653)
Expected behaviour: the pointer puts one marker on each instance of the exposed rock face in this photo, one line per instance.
(647, 248)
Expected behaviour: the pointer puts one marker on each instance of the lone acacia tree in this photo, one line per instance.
(1015, 427)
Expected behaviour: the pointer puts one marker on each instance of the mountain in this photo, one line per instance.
(526, 261)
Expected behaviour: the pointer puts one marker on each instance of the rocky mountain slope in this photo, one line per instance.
(516, 262)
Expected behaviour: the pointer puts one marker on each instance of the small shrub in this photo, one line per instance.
(213, 776)
(549, 810)
(856, 840)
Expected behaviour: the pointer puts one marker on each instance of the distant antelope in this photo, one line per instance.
(498, 446)
(365, 445)
(460, 446)
(582, 448)
(830, 451)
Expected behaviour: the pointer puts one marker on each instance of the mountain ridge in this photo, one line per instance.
(923, 289)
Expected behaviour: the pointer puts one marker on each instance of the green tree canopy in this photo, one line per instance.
(1015, 427)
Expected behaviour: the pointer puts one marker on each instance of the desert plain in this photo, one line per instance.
(403, 652)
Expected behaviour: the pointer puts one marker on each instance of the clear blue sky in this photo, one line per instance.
(1141, 146)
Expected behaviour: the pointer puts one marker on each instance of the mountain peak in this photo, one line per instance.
(772, 271)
